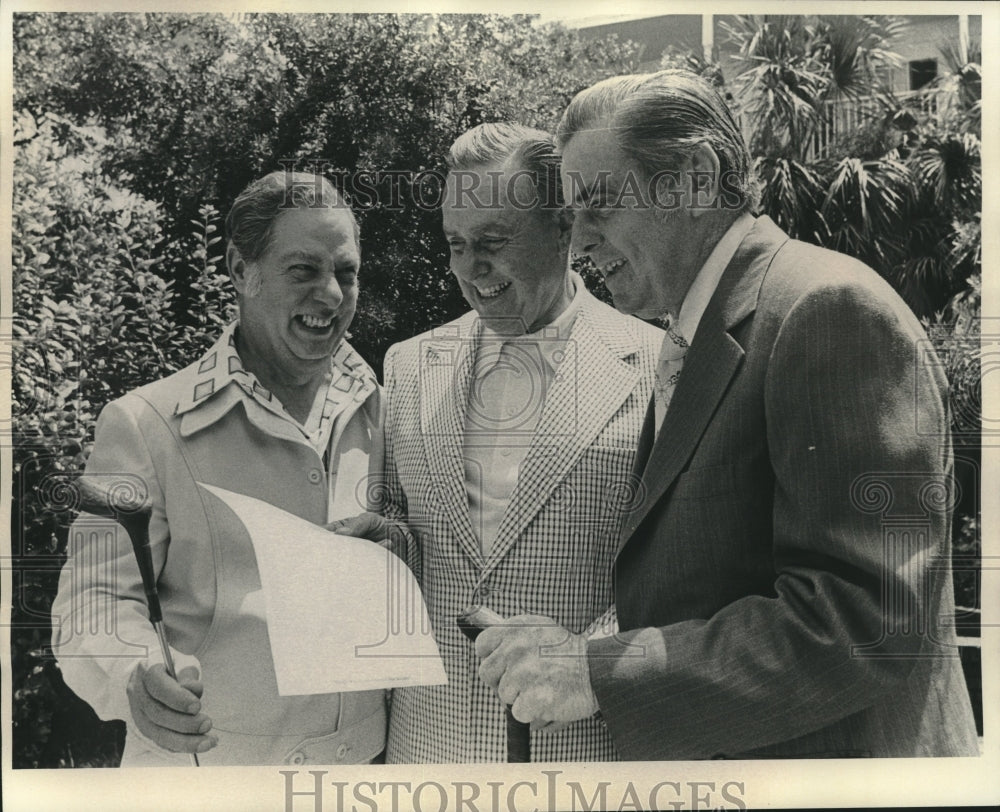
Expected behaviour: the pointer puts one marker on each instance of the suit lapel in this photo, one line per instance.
(707, 373)
(709, 366)
(446, 364)
(590, 386)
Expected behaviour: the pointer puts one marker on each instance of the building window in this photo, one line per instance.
(922, 72)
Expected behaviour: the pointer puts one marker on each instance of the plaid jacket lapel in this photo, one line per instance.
(590, 386)
(446, 365)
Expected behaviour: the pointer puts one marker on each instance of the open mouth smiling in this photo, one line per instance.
(612, 267)
(493, 291)
(315, 323)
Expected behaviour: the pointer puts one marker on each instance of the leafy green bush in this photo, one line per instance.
(92, 320)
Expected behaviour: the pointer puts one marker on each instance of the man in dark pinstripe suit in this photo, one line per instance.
(783, 588)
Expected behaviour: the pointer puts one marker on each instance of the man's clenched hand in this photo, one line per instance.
(168, 711)
(538, 668)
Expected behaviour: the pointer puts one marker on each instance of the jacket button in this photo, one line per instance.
(315, 476)
(342, 751)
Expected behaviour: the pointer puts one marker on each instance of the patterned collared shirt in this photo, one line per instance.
(222, 381)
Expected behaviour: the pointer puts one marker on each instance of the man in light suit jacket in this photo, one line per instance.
(279, 408)
(510, 435)
(783, 588)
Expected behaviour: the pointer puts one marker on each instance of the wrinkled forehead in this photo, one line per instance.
(323, 229)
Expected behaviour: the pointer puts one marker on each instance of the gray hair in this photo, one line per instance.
(251, 219)
(660, 119)
(530, 150)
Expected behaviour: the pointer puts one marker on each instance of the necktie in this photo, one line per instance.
(668, 372)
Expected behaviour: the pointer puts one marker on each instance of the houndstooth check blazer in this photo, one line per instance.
(556, 543)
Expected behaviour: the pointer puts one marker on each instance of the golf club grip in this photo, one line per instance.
(101, 500)
(472, 621)
(518, 739)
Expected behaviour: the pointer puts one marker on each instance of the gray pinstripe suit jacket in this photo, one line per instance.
(784, 589)
(557, 540)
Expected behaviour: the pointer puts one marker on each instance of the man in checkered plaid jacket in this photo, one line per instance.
(509, 439)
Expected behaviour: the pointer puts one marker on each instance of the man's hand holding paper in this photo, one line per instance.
(366, 525)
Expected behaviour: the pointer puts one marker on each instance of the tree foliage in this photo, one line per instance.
(199, 105)
(901, 190)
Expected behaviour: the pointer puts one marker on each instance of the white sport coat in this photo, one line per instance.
(556, 543)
